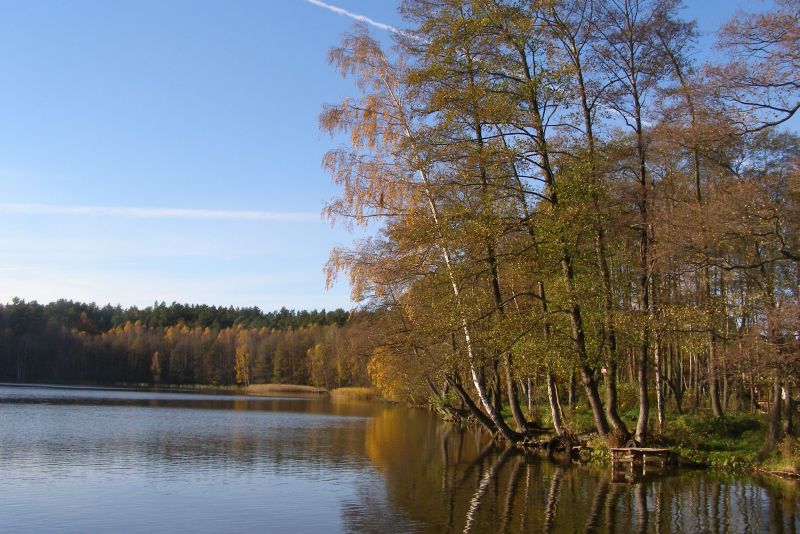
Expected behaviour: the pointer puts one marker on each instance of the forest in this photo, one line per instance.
(67, 342)
(575, 207)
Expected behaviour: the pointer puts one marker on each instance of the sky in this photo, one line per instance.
(157, 150)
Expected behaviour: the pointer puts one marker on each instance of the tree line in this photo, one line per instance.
(77, 343)
(564, 196)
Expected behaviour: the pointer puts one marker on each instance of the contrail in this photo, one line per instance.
(157, 213)
(356, 16)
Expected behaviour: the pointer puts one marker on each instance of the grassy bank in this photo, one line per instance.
(267, 390)
(730, 442)
(733, 442)
(355, 393)
(283, 389)
(252, 389)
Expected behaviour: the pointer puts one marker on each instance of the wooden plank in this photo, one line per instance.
(638, 449)
(639, 455)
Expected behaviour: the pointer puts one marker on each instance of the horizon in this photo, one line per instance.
(154, 305)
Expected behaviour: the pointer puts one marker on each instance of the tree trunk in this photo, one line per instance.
(774, 431)
(555, 405)
(659, 385)
(644, 399)
(789, 427)
(713, 381)
(623, 434)
(579, 339)
(513, 397)
(571, 393)
(481, 417)
(529, 397)
(497, 388)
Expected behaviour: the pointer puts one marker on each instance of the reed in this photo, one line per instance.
(354, 393)
(272, 389)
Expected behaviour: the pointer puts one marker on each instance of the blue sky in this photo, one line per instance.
(169, 150)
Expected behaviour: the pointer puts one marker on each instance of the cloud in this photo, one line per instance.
(356, 16)
(157, 213)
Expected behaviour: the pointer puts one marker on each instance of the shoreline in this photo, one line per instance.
(252, 390)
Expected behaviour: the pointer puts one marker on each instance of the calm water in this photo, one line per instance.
(111, 461)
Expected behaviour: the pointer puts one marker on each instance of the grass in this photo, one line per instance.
(730, 442)
(252, 389)
(352, 393)
(355, 393)
(192, 387)
(786, 457)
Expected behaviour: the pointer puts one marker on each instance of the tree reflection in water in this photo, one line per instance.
(443, 478)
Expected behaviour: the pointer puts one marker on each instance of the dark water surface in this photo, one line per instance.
(125, 461)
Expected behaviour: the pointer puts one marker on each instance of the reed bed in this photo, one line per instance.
(354, 393)
(295, 389)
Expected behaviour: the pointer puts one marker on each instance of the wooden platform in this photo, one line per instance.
(640, 456)
(637, 460)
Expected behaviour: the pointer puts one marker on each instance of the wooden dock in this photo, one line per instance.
(640, 456)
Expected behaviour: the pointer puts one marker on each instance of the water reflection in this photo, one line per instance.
(77, 461)
(473, 486)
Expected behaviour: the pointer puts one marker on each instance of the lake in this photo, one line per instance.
(90, 460)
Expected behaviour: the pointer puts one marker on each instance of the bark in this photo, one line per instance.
(713, 375)
(623, 434)
(644, 399)
(774, 431)
(790, 409)
(481, 417)
(513, 397)
(432, 388)
(713, 382)
(657, 355)
(644, 275)
(677, 381)
(532, 415)
(660, 408)
(497, 387)
(677, 392)
(571, 393)
(556, 413)
(555, 406)
(578, 336)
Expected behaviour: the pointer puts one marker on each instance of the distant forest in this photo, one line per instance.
(78, 343)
